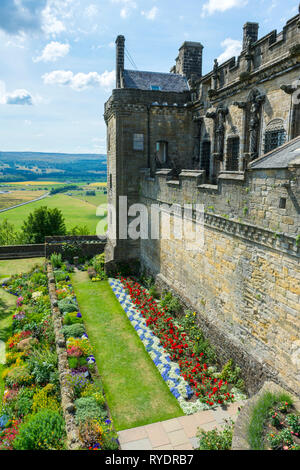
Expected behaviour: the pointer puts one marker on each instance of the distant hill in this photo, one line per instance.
(20, 166)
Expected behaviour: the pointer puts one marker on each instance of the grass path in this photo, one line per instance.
(18, 266)
(135, 390)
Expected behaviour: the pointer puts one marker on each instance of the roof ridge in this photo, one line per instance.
(158, 73)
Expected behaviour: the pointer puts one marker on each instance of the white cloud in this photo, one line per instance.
(21, 96)
(51, 24)
(53, 51)
(151, 14)
(91, 11)
(212, 6)
(232, 47)
(128, 6)
(80, 81)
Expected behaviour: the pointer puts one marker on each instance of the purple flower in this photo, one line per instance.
(79, 315)
(107, 421)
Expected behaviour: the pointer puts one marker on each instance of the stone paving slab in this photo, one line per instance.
(177, 433)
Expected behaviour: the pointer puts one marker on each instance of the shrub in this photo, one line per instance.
(23, 405)
(171, 303)
(67, 305)
(294, 422)
(61, 275)
(98, 263)
(43, 431)
(87, 408)
(215, 439)
(19, 375)
(43, 365)
(232, 375)
(42, 399)
(72, 318)
(154, 292)
(74, 331)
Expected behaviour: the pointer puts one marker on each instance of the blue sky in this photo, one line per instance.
(58, 58)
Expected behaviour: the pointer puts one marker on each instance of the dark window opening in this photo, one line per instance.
(205, 158)
(233, 152)
(162, 151)
(273, 139)
(138, 141)
(110, 181)
(282, 203)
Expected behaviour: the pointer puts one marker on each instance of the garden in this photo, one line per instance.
(133, 356)
(31, 416)
(274, 423)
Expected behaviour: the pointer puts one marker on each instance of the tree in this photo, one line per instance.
(8, 234)
(43, 222)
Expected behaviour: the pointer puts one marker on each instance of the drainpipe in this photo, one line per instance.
(148, 134)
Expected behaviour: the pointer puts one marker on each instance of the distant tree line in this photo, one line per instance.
(64, 189)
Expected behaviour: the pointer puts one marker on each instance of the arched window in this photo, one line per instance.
(233, 153)
(275, 135)
(205, 157)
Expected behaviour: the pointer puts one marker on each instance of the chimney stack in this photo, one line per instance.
(120, 47)
(251, 31)
(189, 60)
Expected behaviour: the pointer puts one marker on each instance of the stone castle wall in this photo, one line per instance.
(244, 287)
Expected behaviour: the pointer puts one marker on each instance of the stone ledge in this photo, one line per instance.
(232, 175)
(240, 438)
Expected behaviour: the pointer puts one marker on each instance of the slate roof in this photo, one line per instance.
(165, 81)
(281, 157)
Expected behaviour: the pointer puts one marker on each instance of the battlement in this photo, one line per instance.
(257, 56)
(254, 197)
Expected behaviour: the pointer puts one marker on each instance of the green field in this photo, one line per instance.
(75, 211)
(96, 200)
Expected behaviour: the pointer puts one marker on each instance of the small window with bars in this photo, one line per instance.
(138, 141)
(205, 158)
(273, 139)
(233, 153)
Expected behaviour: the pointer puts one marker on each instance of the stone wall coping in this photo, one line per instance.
(240, 437)
(174, 182)
(191, 173)
(213, 187)
(232, 175)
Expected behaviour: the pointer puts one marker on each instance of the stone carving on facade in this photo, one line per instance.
(215, 74)
(198, 120)
(219, 117)
(252, 108)
(193, 87)
(248, 55)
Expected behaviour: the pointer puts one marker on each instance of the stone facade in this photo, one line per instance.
(206, 145)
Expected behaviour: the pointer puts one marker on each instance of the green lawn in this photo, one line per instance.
(18, 266)
(135, 391)
(75, 211)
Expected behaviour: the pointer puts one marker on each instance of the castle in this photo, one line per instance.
(229, 140)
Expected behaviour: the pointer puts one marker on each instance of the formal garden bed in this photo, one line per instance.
(31, 415)
(177, 346)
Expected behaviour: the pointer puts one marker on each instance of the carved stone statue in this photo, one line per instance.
(219, 117)
(215, 74)
(254, 125)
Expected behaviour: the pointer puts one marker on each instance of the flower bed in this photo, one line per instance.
(274, 424)
(31, 401)
(198, 386)
(92, 416)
